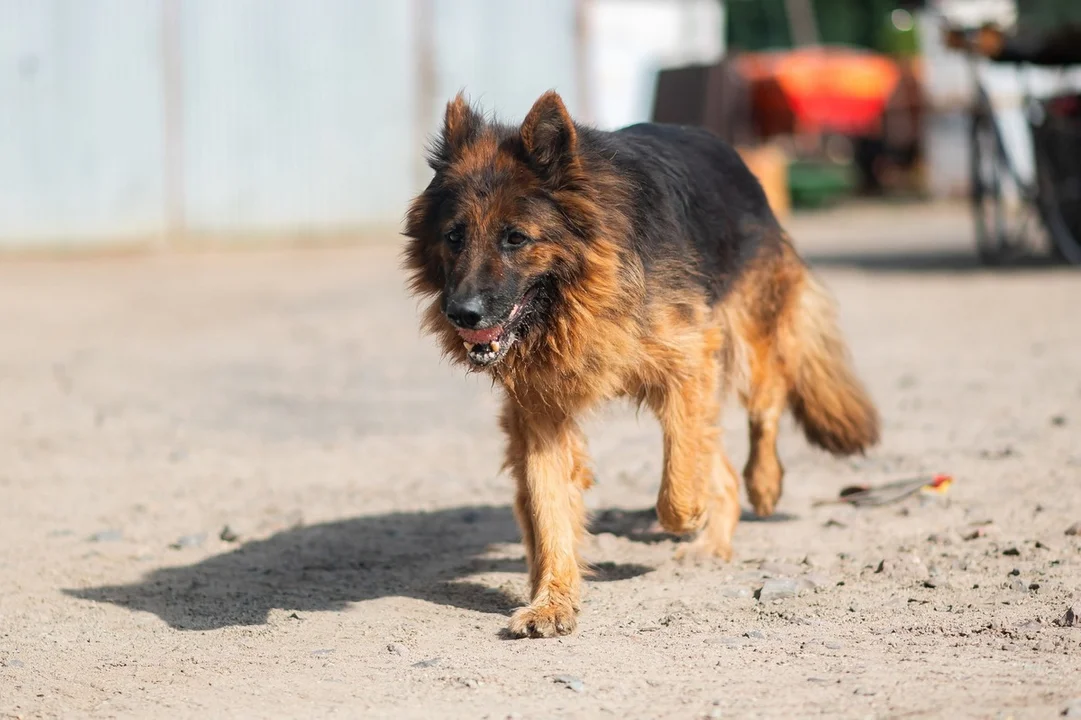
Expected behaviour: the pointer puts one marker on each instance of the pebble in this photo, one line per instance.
(1074, 529)
(714, 713)
(12, 663)
(107, 536)
(1011, 552)
(735, 591)
(817, 580)
(570, 681)
(1072, 709)
(755, 635)
(1018, 585)
(1071, 618)
(906, 567)
(321, 652)
(189, 541)
(430, 662)
(778, 589)
(833, 645)
(228, 535)
(470, 682)
(396, 648)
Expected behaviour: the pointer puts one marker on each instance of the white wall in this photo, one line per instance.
(630, 40)
(80, 119)
(291, 115)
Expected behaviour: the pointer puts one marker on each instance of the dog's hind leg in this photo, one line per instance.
(547, 457)
(765, 398)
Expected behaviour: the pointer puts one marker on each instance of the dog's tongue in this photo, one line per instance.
(486, 335)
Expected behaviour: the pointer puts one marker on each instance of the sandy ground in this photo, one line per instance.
(372, 560)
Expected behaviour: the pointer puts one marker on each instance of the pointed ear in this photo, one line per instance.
(461, 126)
(548, 134)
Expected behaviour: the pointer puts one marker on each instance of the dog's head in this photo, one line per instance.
(500, 226)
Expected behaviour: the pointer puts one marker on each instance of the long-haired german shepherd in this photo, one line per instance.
(575, 266)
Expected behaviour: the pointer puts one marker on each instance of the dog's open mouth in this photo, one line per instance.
(486, 346)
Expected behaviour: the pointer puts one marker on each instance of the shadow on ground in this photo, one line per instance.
(428, 556)
(931, 261)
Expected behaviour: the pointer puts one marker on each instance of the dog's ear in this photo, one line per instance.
(548, 135)
(461, 126)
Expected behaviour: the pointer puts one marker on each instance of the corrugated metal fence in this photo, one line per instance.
(147, 121)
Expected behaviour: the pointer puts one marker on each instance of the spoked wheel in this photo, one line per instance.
(990, 178)
(1058, 178)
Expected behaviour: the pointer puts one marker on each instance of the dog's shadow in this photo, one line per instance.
(424, 555)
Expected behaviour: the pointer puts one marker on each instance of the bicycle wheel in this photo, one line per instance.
(1058, 181)
(988, 172)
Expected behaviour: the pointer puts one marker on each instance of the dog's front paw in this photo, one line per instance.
(704, 549)
(550, 619)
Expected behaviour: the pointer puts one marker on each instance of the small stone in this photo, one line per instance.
(1014, 573)
(189, 541)
(1071, 618)
(714, 713)
(12, 663)
(833, 645)
(294, 616)
(430, 662)
(321, 652)
(1018, 585)
(1074, 529)
(735, 591)
(1058, 420)
(778, 589)
(833, 523)
(817, 580)
(107, 536)
(1011, 552)
(396, 649)
(470, 682)
(755, 635)
(571, 682)
(1034, 586)
(228, 535)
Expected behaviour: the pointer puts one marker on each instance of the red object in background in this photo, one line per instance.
(827, 89)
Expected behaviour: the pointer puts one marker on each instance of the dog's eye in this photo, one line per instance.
(455, 239)
(515, 238)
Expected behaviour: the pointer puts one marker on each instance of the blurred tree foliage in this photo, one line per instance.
(873, 24)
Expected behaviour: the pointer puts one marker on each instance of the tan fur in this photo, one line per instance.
(773, 336)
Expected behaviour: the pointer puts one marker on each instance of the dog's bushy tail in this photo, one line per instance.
(824, 394)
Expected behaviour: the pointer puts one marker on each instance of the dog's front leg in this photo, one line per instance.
(544, 453)
(698, 489)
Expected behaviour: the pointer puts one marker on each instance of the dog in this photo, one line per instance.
(575, 266)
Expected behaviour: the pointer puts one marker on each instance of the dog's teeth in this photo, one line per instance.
(494, 346)
(468, 346)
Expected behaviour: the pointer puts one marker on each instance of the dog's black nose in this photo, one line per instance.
(466, 312)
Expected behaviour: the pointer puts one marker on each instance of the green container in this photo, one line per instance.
(818, 184)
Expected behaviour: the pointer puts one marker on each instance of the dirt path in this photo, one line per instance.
(149, 402)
